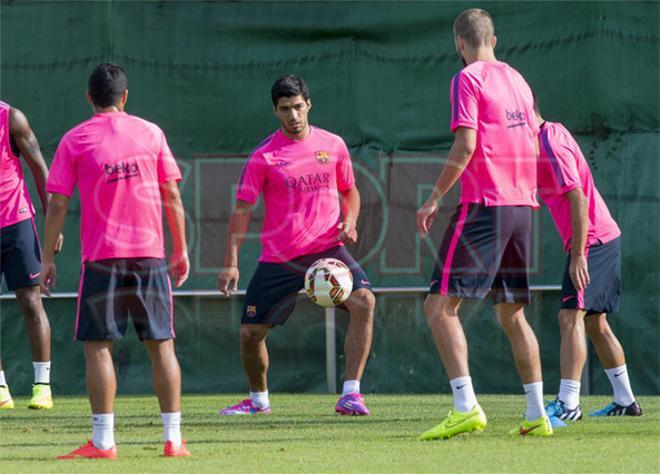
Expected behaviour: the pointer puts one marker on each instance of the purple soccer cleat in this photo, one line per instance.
(245, 408)
(352, 404)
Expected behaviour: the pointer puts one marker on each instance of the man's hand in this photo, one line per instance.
(228, 280)
(180, 267)
(579, 272)
(59, 244)
(425, 216)
(348, 233)
(47, 277)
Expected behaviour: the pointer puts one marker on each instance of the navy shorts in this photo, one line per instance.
(20, 255)
(604, 290)
(273, 290)
(485, 249)
(112, 289)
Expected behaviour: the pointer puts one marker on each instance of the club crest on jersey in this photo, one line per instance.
(322, 156)
(251, 311)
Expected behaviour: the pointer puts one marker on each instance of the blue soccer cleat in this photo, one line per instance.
(614, 409)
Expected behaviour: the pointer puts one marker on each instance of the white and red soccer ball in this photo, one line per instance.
(328, 282)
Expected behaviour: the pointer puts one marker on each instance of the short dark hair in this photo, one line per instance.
(289, 86)
(107, 84)
(475, 26)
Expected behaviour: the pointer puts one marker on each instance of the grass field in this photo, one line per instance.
(304, 435)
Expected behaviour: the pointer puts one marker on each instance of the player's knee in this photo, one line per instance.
(30, 302)
(569, 320)
(596, 326)
(364, 300)
(439, 307)
(252, 335)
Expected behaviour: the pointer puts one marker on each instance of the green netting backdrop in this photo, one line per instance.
(379, 75)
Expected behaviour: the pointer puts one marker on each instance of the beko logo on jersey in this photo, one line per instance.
(120, 170)
(309, 183)
(516, 115)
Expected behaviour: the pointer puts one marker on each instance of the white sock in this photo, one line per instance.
(464, 397)
(260, 399)
(103, 430)
(41, 372)
(618, 376)
(3, 382)
(350, 386)
(569, 393)
(534, 395)
(172, 427)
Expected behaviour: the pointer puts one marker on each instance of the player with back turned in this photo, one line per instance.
(487, 246)
(125, 174)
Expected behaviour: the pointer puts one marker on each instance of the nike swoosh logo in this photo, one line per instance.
(461, 386)
(524, 431)
(451, 425)
(34, 275)
(564, 300)
(620, 373)
(3, 402)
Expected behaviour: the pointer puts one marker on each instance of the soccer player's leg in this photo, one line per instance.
(270, 299)
(21, 266)
(463, 269)
(573, 355)
(6, 402)
(510, 294)
(101, 318)
(361, 305)
(611, 355)
(148, 296)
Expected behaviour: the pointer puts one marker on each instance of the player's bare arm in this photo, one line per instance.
(350, 211)
(460, 154)
(580, 225)
(28, 146)
(176, 219)
(55, 217)
(238, 226)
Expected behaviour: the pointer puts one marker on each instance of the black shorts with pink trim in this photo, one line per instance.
(604, 290)
(20, 255)
(112, 289)
(485, 249)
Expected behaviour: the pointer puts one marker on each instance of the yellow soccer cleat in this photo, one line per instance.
(41, 397)
(457, 422)
(539, 427)
(6, 403)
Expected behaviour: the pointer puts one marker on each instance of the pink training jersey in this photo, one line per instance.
(562, 168)
(493, 98)
(118, 162)
(300, 180)
(15, 203)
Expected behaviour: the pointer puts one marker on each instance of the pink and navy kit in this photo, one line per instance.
(300, 181)
(561, 169)
(488, 240)
(118, 162)
(20, 254)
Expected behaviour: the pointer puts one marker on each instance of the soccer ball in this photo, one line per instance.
(328, 282)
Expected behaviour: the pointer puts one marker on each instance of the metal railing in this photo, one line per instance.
(330, 321)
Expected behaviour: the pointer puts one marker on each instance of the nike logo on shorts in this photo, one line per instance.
(34, 275)
(564, 300)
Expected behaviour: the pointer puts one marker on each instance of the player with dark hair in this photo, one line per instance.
(125, 173)
(301, 171)
(591, 285)
(487, 244)
(20, 259)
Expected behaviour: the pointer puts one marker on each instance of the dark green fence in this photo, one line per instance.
(379, 76)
